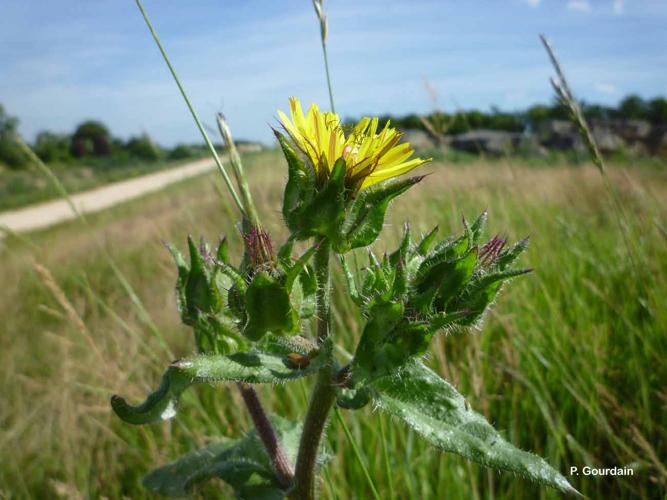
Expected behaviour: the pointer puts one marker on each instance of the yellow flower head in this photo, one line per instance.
(371, 156)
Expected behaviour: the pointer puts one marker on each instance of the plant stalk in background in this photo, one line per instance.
(324, 28)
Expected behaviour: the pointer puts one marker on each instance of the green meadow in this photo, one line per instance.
(570, 365)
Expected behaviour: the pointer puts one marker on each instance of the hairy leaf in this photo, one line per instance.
(250, 367)
(366, 217)
(297, 178)
(241, 463)
(269, 308)
(426, 242)
(433, 408)
(351, 282)
(477, 227)
(509, 256)
(183, 272)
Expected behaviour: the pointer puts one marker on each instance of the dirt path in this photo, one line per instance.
(48, 213)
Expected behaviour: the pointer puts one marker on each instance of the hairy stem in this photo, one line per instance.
(324, 393)
(322, 257)
(281, 464)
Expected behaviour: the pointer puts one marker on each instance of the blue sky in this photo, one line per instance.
(64, 61)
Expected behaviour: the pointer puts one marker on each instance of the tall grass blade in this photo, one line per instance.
(198, 122)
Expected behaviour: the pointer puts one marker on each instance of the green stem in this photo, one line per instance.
(322, 257)
(326, 69)
(324, 393)
(208, 142)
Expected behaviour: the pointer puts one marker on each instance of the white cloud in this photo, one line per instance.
(579, 5)
(605, 88)
(533, 3)
(618, 7)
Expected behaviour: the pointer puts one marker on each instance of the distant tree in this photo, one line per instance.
(91, 138)
(143, 147)
(597, 111)
(474, 119)
(52, 147)
(537, 114)
(557, 110)
(411, 121)
(10, 152)
(633, 107)
(498, 120)
(181, 152)
(459, 123)
(8, 124)
(657, 111)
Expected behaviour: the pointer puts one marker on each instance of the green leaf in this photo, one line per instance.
(507, 257)
(381, 285)
(307, 286)
(250, 367)
(426, 242)
(296, 269)
(477, 227)
(435, 410)
(218, 335)
(401, 281)
(489, 279)
(295, 189)
(455, 276)
(324, 215)
(446, 251)
(183, 271)
(285, 251)
(448, 277)
(351, 282)
(269, 308)
(479, 294)
(374, 357)
(443, 320)
(200, 291)
(366, 216)
(222, 254)
(353, 399)
(242, 463)
(404, 248)
(236, 278)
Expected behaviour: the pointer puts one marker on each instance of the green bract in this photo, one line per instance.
(316, 208)
(424, 287)
(229, 306)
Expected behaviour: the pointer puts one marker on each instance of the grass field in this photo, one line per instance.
(570, 364)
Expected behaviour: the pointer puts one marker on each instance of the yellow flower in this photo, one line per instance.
(371, 156)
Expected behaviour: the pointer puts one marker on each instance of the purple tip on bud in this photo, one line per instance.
(491, 250)
(259, 246)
